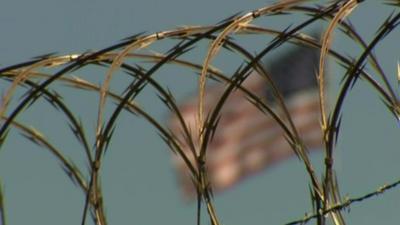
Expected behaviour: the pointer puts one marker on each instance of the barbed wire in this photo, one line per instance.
(347, 202)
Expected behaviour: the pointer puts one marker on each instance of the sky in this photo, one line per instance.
(139, 181)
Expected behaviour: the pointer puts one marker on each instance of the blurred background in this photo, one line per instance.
(139, 181)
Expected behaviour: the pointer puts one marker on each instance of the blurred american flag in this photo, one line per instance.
(247, 140)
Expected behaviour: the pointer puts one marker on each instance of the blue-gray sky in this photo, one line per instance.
(139, 181)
